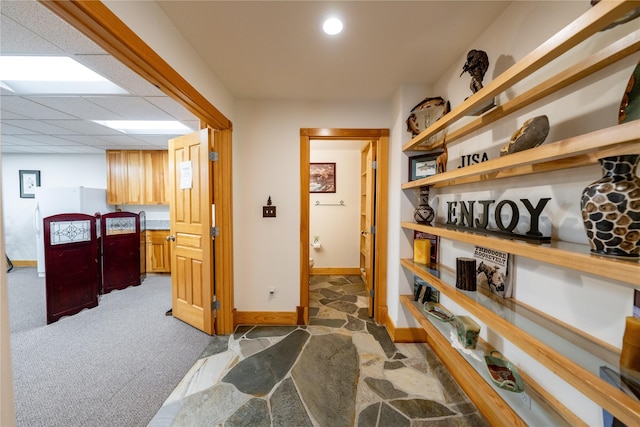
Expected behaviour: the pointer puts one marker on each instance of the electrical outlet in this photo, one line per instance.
(268, 211)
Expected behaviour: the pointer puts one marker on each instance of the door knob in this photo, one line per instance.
(172, 238)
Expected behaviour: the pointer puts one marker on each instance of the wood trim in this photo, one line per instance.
(335, 271)
(223, 243)
(24, 263)
(266, 318)
(381, 135)
(617, 402)
(98, 23)
(589, 23)
(305, 150)
(481, 393)
(382, 226)
(404, 335)
(331, 133)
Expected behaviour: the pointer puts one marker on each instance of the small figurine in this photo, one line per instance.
(441, 160)
(477, 65)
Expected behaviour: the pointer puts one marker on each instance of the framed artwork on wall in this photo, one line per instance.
(423, 166)
(322, 178)
(29, 180)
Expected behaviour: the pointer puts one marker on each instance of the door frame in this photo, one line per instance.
(381, 212)
(98, 23)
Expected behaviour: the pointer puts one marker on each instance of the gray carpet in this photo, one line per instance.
(113, 365)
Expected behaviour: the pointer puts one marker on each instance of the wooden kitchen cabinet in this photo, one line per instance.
(116, 177)
(158, 251)
(137, 177)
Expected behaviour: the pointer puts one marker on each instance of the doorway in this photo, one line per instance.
(379, 139)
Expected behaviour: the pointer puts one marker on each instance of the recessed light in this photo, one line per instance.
(52, 75)
(332, 26)
(146, 127)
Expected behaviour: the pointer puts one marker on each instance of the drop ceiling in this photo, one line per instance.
(258, 50)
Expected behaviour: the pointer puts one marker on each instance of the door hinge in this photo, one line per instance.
(213, 156)
(371, 293)
(215, 305)
(214, 231)
(374, 165)
(373, 229)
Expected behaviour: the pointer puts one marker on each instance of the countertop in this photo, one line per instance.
(157, 224)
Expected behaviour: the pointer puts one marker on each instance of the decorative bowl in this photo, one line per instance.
(438, 311)
(503, 373)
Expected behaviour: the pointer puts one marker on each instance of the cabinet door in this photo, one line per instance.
(155, 165)
(158, 256)
(134, 178)
(115, 177)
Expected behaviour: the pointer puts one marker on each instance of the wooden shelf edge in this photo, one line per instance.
(481, 393)
(618, 403)
(579, 30)
(624, 271)
(623, 138)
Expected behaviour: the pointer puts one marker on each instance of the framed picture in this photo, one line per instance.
(29, 180)
(423, 166)
(322, 178)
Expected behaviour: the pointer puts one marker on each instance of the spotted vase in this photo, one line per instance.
(611, 208)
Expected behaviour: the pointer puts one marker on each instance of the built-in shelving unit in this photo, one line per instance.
(571, 354)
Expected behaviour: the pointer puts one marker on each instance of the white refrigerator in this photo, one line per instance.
(59, 200)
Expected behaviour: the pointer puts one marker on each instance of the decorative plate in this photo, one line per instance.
(437, 311)
(503, 373)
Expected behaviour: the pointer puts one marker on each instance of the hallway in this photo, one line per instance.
(341, 370)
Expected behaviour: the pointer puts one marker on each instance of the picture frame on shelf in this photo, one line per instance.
(423, 166)
(29, 180)
(322, 177)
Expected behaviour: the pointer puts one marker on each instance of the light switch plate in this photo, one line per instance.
(268, 211)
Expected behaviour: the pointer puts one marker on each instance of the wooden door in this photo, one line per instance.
(120, 250)
(367, 218)
(71, 264)
(191, 198)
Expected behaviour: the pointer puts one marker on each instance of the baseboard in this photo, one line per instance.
(404, 335)
(24, 263)
(266, 318)
(329, 271)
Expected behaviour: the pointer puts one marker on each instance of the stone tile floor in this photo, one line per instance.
(340, 370)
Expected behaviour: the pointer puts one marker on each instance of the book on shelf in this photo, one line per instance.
(423, 291)
(636, 303)
(434, 244)
(494, 271)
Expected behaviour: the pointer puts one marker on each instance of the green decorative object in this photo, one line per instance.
(503, 373)
(630, 105)
(468, 331)
(437, 311)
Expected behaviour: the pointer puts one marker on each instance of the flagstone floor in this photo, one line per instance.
(340, 370)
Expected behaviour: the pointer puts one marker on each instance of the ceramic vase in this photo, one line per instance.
(611, 208)
(424, 214)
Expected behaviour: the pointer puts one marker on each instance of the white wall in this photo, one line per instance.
(338, 227)
(56, 170)
(266, 141)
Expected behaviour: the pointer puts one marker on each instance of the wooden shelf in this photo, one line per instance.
(573, 152)
(581, 29)
(502, 407)
(542, 345)
(564, 254)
